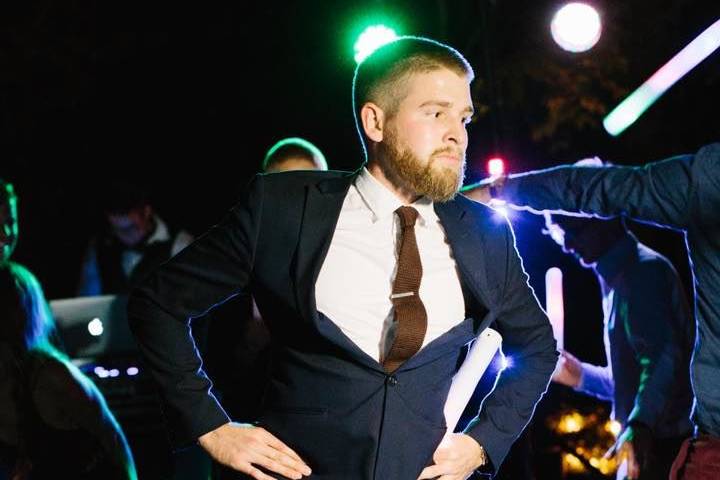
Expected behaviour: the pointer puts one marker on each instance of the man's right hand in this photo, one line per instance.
(483, 191)
(242, 446)
(568, 370)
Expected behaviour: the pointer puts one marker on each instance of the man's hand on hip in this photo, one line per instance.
(456, 458)
(242, 447)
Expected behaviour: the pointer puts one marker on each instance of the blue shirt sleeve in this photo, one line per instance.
(597, 381)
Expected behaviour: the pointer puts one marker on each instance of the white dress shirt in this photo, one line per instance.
(355, 282)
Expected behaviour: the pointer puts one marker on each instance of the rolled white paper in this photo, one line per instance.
(465, 381)
(554, 304)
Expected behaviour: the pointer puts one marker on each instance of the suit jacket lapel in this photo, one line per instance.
(323, 203)
(465, 235)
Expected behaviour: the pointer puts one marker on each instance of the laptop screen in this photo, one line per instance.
(92, 327)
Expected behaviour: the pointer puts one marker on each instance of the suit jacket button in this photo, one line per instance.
(392, 380)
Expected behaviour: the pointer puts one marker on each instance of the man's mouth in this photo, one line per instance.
(448, 157)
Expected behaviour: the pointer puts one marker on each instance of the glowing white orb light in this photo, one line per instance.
(576, 27)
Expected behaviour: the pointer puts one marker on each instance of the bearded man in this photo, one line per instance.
(371, 284)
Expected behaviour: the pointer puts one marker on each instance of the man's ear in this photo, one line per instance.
(373, 121)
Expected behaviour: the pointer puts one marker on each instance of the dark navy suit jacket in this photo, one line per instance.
(326, 398)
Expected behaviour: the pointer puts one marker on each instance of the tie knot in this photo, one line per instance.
(408, 216)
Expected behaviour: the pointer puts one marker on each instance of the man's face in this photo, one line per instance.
(8, 228)
(133, 227)
(578, 237)
(424, 142)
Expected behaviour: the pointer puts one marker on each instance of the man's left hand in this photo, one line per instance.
(634, 446)
(456, 458)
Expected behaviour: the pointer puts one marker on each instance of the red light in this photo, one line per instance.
(496, 166)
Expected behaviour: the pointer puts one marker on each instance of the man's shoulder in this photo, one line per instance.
(290, 186)
(706, 163)
(301, 177)
(485, 216)
(649, 259)
(651, 266)
(710, 154)
(285, 193)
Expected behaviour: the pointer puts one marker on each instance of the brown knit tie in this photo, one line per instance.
(410, 315)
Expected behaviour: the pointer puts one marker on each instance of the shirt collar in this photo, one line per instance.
(160, 234)
(383, 203)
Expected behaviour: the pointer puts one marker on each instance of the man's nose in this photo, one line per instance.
(457, 134)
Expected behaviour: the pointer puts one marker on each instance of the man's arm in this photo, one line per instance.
(658, 339)
(661, 348)
(597, 381)
(584, 377)
(529, 342)
(209, 271)
(660, 192)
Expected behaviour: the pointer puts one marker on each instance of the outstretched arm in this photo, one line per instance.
(672, 192)
(212, 269)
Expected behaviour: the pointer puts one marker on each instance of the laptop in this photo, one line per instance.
(92, 327)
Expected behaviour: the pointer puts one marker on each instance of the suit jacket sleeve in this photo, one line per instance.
(528, 341)
(212, 269)
(666, 192)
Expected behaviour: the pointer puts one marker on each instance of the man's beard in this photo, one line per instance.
(404, 169)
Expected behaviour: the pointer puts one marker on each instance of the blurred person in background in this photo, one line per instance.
(135, 240)
(54, 422)
(648, 335)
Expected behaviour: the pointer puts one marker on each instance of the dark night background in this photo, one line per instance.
(189, 97)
